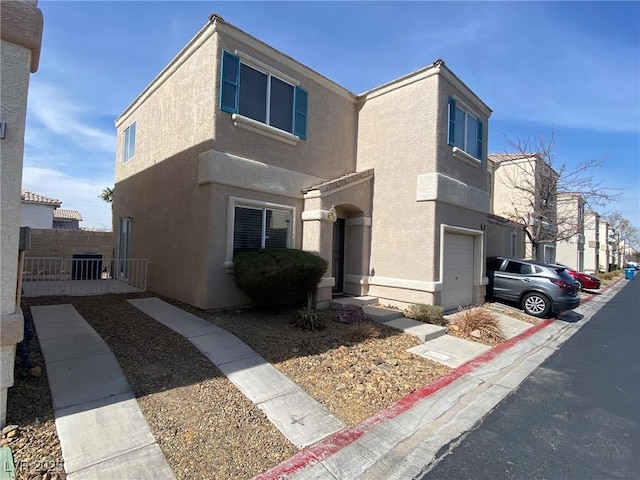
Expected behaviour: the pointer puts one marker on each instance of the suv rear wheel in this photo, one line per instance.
(536, 304)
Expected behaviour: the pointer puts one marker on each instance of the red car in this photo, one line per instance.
(585, 281)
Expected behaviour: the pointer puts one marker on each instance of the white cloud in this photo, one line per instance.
(50, 107)
(75, 193)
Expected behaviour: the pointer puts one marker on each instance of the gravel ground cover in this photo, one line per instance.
(204, 425)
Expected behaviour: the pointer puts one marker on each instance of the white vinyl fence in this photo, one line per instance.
(83, 276)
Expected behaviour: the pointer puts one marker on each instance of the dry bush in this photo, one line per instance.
(472, 318)
(362, 332)
(433, 314)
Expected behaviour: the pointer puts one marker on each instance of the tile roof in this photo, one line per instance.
(340, 181)
(31, 197)
(67, 215)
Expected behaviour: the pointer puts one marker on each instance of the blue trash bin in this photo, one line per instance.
(629, 273)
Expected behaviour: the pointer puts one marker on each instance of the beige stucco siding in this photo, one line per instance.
(329, 150)
(499, 238)
(395, 137)
(20, 40)
(171, 224)
(16, 60)
(507, 201)
(176, 116)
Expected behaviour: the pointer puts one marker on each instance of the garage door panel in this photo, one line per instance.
(458, 267)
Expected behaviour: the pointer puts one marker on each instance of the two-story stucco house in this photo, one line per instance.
(524, 190)
(236, 146)
(570, 246)
(605, 246)
(592, 242)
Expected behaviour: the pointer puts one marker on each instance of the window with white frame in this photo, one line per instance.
(129, 148)
(465, 129)
(262, 96)
(255, 228)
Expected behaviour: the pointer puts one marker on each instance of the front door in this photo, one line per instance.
(337, 258)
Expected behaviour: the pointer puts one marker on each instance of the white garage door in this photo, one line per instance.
(457, 288)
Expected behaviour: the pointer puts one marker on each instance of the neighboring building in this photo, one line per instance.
(504, 237)
(592, 242)
(571, 244)
(37, 211)
(66, 219)
(20, 41)
(605, 246)
(614, 249)
(523, 190)
(236, 146)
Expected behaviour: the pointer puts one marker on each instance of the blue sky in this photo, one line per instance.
(572, 67)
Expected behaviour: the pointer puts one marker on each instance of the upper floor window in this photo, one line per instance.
(465, 130)
(129, 149)
(261, 96)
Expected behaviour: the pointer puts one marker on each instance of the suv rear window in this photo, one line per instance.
(563, 274)
(514, 267)
(522, 268)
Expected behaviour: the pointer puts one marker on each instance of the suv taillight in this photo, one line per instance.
(562, 284)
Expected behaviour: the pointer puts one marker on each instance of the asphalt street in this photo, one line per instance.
(577, 416)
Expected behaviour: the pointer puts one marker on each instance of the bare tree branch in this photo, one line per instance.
(548, 197)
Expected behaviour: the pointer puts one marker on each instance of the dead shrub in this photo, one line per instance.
(433, 314)
(362, 333)
(478, 319)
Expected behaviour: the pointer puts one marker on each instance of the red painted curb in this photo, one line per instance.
(332, 444)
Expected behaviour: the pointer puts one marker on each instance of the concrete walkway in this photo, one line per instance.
(301, 418)
(102, 431)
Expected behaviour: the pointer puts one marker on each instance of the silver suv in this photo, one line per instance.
(539, 288)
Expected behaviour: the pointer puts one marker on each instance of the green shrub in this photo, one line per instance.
(278, 277)
(426, 313)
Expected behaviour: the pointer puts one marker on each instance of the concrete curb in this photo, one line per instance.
(338, 441)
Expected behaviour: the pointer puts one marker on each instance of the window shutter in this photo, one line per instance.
(452, 121)
(300, 124)
(229, 82)
(479, 156)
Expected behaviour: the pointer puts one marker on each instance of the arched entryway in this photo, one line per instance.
(337, 226)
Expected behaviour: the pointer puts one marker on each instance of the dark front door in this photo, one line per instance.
(337, 258)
